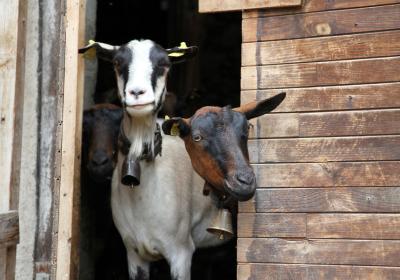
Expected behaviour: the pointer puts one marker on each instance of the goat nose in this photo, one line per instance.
(100, 159)
(137, 92)
(245, 178)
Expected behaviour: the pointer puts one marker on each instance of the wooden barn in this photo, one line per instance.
(327, 160)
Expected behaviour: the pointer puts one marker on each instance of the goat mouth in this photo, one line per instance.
(239, 192)
(139, 106)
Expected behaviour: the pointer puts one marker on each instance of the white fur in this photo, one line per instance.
(166, 215)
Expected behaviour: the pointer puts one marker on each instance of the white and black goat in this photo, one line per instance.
(166, 216)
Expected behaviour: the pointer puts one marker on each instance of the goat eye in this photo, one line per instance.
(197, 137)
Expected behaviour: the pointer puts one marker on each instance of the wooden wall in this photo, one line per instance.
(328, 159)
(12, 53)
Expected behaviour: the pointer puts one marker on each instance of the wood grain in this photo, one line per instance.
(317, 6)
(9, 228)
(212, 6)
(331, 98)
(68, 221)
(323, 200)
(376, 70)
(328, 174)
(366, 148)
(271, 225)
(380, 44)
(256, 271)
(326, 225)
(307, 25)
(353, 123)
(353, 226)
(316, 251)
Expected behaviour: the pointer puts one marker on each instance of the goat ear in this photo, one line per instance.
(181, 53)
(259, 108)
(176, 127)
(101, 50)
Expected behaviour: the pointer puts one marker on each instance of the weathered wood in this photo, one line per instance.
(276, 125)
(367, 200)
(321, 24)
(255, 271)
(301, 225)
(317, 251)
(9, 96)
(68, 226)
(331, 98)
(12, 53)
(346, 72)
(271, 225)
(9, 228)
(212, 6)
(373, 122)
(325, 149)
(380, 44)
(353, 226)
(318, 5)
(328, 174)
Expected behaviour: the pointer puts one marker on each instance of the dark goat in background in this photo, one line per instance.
(102, 253)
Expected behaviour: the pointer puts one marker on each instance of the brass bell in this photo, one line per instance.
(222, 224)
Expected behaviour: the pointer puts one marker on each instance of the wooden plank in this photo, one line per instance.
(353, 226)
(276, 125)
(323, 200)
(373, 122)
(328, 174)
(8, 97)
(317, 6)
(271, 225)
(321, 24)
(376, 70)
(316, 251)
(212, 6)
(366, 45)
(331, 98)
(68, 226)
(9, 228)
(12, 54)
(256, 271)
(366, 148)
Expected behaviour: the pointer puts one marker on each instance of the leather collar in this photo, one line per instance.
(124, 145)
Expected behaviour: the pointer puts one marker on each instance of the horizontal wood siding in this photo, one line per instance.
(251, 271)
(327, 160)
(211, 6)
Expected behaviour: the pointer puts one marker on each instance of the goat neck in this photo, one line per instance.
(139, 131)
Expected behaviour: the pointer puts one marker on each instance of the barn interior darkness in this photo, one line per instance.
(212, 78)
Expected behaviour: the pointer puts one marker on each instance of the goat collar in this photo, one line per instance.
(130, 173)
(124, 145)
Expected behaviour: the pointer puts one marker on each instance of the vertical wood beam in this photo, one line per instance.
(12, 53)
(67, 243)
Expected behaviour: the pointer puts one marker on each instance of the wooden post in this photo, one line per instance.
(12, 51)
(67, 244)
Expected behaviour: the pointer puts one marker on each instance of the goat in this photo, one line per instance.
(216, 141)
(102, 250)
(166, 215)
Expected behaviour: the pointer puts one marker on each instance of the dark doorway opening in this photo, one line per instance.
(212, 78)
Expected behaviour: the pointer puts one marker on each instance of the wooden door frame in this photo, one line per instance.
(12, 56)
(65, 250)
